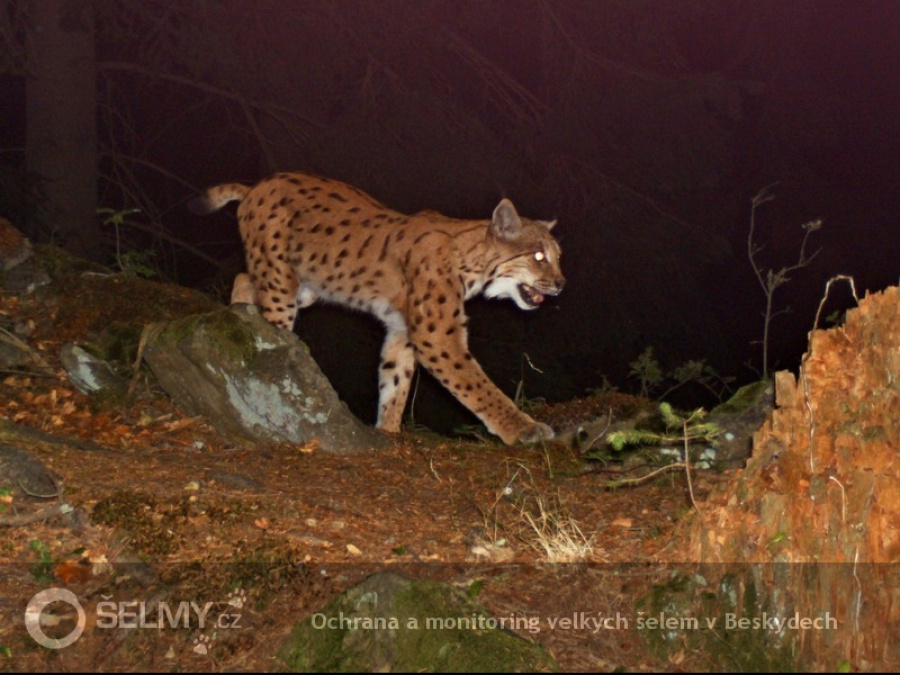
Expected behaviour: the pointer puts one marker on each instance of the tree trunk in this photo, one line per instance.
(61, 135)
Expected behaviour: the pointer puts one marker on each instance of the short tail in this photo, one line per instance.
(216, 197)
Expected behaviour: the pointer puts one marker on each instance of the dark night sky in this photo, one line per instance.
(645, 127)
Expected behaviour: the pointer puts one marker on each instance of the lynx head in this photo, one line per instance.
(526, 258)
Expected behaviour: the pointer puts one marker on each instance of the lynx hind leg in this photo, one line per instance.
(398, 363)
(277, 293)
(243, 290)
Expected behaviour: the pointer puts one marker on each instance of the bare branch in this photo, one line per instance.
(28, 518)
(770, 280)
(589, 55)
(172, 239)
(270, 108)
(524, 106)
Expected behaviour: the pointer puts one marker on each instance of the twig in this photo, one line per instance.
(771, 280)
(149, 331)
(433, 470)
(510, 95)
(33, 354)
(602, 433)
(612, 66)
(44, 514)
(162, 234)
(687, 465)
(837, 277)
(803, 378)
(646, 477)
(640, 196)
(10, 429)
(123, 66)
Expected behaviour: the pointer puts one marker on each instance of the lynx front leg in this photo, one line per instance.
(395, 373)
(438, 331)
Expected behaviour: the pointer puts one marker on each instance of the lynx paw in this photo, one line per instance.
(243, 290)
(535, 433)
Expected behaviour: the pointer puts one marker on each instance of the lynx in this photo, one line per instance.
(308, 238)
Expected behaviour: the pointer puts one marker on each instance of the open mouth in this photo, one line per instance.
(530, 295)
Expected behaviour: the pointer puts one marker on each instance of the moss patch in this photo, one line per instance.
(743, 399)
(688, 615)
(390, 624)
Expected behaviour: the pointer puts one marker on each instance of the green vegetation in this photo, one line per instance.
(42, 570)
(392, 624)
(658, 382)
(679, 430)
(137, 263)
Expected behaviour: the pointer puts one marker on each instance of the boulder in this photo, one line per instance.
(254, 381)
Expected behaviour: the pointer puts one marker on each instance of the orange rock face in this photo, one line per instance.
(823, 486)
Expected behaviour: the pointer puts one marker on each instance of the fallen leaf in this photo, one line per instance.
(69, 571)
(307, 448)
(181, 424)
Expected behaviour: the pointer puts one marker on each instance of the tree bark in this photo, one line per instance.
(61, 134)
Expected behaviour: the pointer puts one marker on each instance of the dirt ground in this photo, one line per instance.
(162, 510)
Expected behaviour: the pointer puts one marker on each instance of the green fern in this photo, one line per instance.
(679, 429)
(138, 263)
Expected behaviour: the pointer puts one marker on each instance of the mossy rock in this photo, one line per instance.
(739, 418)
(392, 624)
(690, 614)
(746, 398)
(255, 382)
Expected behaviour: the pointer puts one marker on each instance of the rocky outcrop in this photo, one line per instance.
(254, 381)
(822, 489)
(390, 624)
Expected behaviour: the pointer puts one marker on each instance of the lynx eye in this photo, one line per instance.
(539, 256)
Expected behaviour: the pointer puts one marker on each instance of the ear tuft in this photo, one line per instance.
(505, 223)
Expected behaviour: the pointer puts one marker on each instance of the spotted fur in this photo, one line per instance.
(309, 238)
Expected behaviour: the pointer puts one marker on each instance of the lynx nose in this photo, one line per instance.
(559, 284)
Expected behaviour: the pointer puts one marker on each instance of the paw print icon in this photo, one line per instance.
(237, 598)
(201, 645)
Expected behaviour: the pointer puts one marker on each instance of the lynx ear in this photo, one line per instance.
(548, 223)
(505, 223)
